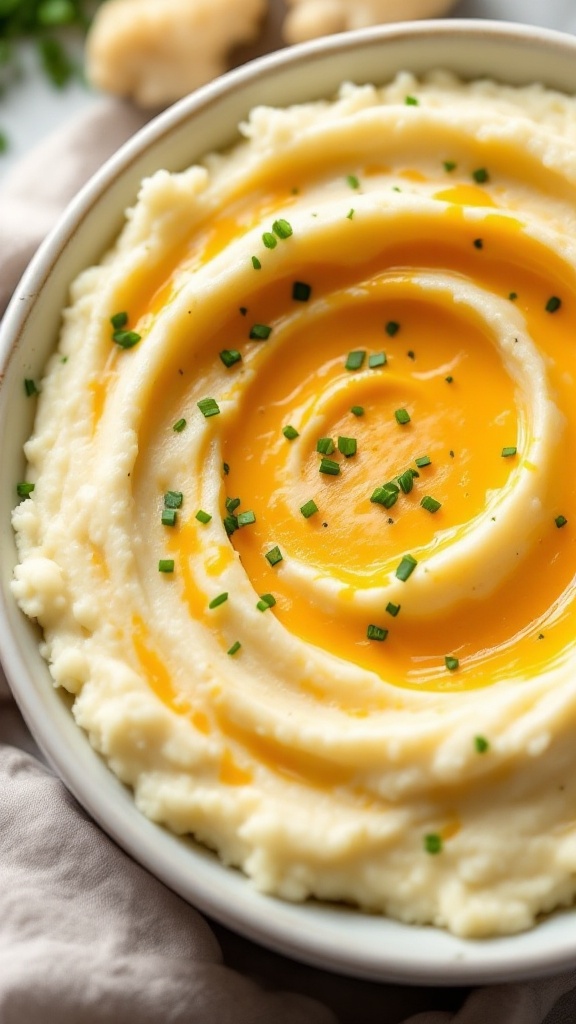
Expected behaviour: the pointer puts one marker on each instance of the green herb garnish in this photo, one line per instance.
(173, 499)
(430, 504)
(290, 432)
(402, 416)
(301, 291)
(354, 360)
(266, 601)
(325, 445)
(308, 508)
(208, 407)
(451, 663)
(260, 332)
(178, 427)
(274, 555)
(203, 517)
(433, 843)
(282, 228)
(235, 648)
(329, 467)
(377, 359)
(347, 446)
(246, 518)
(217, 601)
(229, 356)
(166, 565)
(406, 568)
(376, 633)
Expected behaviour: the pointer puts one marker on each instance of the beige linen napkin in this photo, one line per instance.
(86, 935)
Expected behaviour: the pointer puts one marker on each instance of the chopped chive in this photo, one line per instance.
(553, 304)
(430, 504)
(451, 663)
(290, 432)
(126, 339)
(478, 243)
(449, 379)
(208, 407)
(30, 387)
(386, 495)
(168, 517)
(256, 263)
(377, 359)
(166, 565)
(350, 213)
(357, 410)
(246, 518)
(352, 181)
(173, 499)
(308, 508)
(325, 445)
(402, 416)
(230, 524)
(217, 601)
(203, 517)
(119, 320)
(274, 555)
(433, 843)
(392, 328)
(266, 601)
(270, 240)
(301, 291)
(329, 467)
(347, 446)
(234, 649)
(24, 489)
(510, 450)
(282, 228)
(406, 568)
(232, 504)
(449, 165)
(560, 521)
(354, 360)
(480, 175)
(376, 633)
(423, 460)
(406, 481)
(229, 356)
(260, 332)
(179, 425)
(392, 609)
(411, 101)
(481, 744)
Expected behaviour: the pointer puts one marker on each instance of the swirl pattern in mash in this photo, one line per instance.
(301, 538)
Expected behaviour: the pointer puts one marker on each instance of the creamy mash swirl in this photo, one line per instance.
(301, 539)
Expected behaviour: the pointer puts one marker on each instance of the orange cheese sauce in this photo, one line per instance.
(442, 367)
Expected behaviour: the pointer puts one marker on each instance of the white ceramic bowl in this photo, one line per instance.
(333, 937)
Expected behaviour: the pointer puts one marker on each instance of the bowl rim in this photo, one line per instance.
(307, 932)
